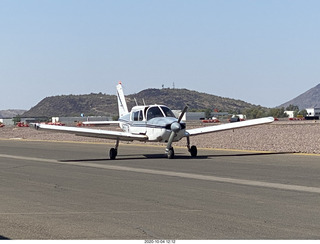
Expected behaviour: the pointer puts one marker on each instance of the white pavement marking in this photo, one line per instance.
(175, 174)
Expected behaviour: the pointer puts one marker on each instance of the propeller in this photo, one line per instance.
(175, 128)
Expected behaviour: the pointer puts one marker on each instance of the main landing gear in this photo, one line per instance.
(169, 152)
(114, 151)
(193, 149)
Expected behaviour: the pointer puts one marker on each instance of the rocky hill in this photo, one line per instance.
(105, 105)
(10, 113)
(74, 105)
(308, 99)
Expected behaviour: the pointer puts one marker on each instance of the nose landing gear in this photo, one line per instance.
(170, 153)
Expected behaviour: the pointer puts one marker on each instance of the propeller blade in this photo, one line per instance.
(182, 113)
(175, 128)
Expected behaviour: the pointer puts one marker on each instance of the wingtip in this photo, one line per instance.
(272, 119)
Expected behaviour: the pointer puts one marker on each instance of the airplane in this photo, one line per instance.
(149, 123)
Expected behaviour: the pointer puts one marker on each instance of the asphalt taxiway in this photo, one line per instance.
(54, 190)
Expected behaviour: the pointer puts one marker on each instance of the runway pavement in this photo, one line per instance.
(52, 190)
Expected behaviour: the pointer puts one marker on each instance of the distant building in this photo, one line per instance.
(7, 121)
(74, 120)
(313, 113)
(188, 116)
(194, 116)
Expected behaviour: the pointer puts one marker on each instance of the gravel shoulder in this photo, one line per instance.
(280, 136)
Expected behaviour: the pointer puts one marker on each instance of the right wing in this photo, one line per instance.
(230, 126)
(105, 134)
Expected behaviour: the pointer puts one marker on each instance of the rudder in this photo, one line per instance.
(122, 104)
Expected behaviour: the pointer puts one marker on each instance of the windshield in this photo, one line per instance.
(154, 112)
(167, 112)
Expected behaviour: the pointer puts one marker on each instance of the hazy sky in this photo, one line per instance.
(261, 51)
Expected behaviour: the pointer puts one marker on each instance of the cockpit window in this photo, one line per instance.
(137, 116)
(154, 112)
(161, 111)
(167, 112)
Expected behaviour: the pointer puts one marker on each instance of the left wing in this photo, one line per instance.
(235, 125)
(105, 134)
(101, 122)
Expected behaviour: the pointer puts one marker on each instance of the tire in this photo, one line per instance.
(193, 151)
(113, 153)
(170, 153)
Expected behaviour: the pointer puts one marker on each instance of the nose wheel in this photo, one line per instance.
(170, 153)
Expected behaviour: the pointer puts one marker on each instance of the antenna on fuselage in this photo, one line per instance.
(143, 102)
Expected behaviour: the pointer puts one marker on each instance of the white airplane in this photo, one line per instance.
(153, 123)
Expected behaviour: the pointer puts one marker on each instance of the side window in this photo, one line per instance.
(135, 116)
(140, 115)
(154, 112)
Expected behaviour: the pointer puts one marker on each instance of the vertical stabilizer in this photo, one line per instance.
(122, 105)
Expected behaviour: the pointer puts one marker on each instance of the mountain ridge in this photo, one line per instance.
(98, 104)
(10, 113)
(308, 99)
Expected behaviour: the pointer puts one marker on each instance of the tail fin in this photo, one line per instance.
(122, 105)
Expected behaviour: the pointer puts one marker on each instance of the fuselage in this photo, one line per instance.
(154, 121)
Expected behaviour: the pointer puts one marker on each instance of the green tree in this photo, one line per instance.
(277, 112)
(256, 112)
(303, 113)
(16, 119)
(207, 113)
(292, 107)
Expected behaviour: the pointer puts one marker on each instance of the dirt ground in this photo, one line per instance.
(279, 136)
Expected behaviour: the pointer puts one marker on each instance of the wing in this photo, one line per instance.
(101, 122)
(230, 126)
(105, 134)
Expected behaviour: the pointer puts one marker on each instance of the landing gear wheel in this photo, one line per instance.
(193, 151)
(170, 153)
(113, 153)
